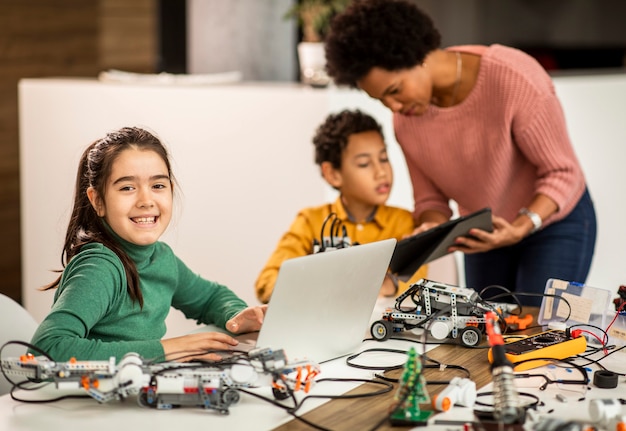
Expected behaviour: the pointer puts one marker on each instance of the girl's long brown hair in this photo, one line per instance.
(94, 169)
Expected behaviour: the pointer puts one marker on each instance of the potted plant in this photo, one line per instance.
(313, 17)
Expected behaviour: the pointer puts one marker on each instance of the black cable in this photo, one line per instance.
(515, 295)
(597, 361)
(39, 383)
(296, 405)
(605, 338)
(30, 347)
(428, 367)
(201, 364)
(334, 232)
(445, 366)
(584, 381)
(480, 303)
(49, 400)
(428, 342)
(378, 367)
(387, 368)
(328, 217)
(20, 385)
(532, 405)
(185, 354)
(508, 292)
(387, 387)
(286, 408)
(417, 295)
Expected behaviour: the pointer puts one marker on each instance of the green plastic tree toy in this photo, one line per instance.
(410, 394)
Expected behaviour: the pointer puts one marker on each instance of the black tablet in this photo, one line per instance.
(415, 251)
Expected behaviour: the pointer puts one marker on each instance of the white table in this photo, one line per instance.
(254, 414)
(250, 413)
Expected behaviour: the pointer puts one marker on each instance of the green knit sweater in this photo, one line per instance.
(93, 317)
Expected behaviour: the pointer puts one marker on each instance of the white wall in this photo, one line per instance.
(594, 107)
(242, 156)
(244, 160)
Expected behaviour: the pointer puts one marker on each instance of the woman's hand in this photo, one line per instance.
(428, 220)
(504, 234)
(247, 320)
(196, 346)
(422, 228)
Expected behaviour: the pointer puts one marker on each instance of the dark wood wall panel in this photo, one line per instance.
(128, 37)
(42, 38)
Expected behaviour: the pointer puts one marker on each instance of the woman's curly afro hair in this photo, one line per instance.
(390, 34)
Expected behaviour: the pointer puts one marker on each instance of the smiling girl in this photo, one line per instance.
(119, 281)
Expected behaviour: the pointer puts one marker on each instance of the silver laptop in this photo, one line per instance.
(322, 303)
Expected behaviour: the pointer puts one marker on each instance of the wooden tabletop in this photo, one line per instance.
(365, 413)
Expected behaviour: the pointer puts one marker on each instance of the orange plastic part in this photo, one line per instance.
(519, 323)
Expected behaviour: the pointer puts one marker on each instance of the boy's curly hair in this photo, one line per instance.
(390, 34)
(331, 137)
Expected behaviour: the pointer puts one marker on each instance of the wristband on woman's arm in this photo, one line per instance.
(534, 218)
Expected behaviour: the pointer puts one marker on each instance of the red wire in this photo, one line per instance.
(619, 310)
(603, 344)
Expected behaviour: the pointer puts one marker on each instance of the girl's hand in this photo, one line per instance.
(504, 234)
(248, 319)
(196, 346)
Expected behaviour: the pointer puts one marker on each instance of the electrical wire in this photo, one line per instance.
(335, 224)
(387, 368)
(20, 343)
(385, 386)
(535, 403)
(35, 384)
(619, 310)
(598, 361)
(514, 295)
(583, 372)
(334, 231)
(337, 235)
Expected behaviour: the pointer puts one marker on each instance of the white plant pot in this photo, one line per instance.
(312, 64)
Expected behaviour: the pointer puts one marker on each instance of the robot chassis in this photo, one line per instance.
(167, 385)
(445, 310)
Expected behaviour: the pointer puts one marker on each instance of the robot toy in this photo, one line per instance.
(442, 309)
(166, 385)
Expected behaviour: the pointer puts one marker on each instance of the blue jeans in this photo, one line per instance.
(563, 250)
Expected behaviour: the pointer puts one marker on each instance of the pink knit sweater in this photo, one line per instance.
(506, 142)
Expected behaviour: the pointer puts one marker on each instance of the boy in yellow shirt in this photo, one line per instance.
(352, 155)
